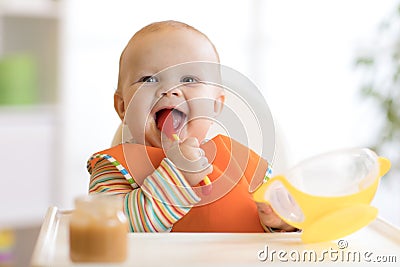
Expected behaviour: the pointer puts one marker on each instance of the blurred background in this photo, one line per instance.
(328, 69)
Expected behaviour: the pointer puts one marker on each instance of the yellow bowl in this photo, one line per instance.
(327, 196)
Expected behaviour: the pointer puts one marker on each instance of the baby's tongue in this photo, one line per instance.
(169, 121)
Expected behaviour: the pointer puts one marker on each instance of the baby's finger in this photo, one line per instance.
(264, 207)
(192, 153)
(191, 141)
(196, 166)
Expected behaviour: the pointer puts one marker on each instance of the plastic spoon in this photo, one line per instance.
(165, 124)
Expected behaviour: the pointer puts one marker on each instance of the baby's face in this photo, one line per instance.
(151, 85)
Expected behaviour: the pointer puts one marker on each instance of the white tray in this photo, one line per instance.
(379, 241)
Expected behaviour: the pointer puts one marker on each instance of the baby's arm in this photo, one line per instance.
(164, 198)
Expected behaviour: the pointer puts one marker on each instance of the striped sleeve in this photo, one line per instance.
(163, 199)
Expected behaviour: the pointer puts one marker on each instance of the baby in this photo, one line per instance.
(162, 101)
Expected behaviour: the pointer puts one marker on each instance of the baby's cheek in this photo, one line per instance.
(199, 128)
(151, 134)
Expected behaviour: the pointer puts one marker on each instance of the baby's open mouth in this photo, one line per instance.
(170, 120)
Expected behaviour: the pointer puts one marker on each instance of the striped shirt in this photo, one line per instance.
(164, 197)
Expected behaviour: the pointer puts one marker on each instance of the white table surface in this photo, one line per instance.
(379, 241)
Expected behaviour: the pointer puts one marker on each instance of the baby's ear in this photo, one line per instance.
(219, 103)
(119, 105)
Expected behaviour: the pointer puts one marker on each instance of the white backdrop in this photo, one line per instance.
(299, 53)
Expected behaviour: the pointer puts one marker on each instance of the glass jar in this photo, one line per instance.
(98, 230)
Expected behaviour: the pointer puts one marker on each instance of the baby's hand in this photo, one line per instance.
(269, 218)
(190, 159)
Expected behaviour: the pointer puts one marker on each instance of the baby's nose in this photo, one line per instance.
(174, 91)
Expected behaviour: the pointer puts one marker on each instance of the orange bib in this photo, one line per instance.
(229, 207)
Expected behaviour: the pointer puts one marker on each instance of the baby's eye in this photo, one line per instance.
(148, 79)
(189, 79)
